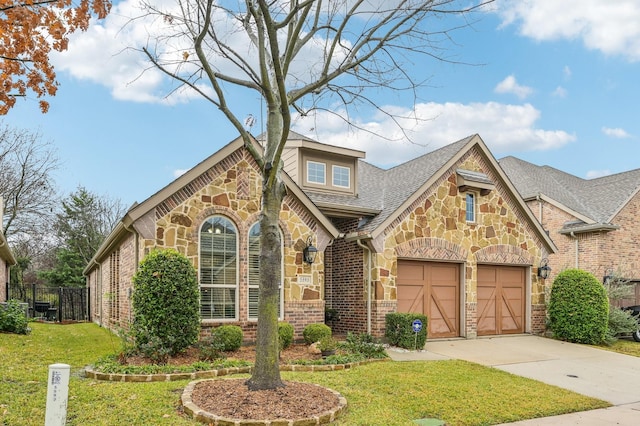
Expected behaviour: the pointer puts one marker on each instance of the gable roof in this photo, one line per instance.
(390, 192)
(594, 202)
(5, 252)
(137, 211)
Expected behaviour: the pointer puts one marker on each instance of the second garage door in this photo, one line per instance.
(501, 299)
(431, 289)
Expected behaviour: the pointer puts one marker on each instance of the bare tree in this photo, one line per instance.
(27, 186)
(298, 55)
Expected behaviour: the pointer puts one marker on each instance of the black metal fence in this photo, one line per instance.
(53, 303)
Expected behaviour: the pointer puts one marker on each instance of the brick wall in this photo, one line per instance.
(345, 288)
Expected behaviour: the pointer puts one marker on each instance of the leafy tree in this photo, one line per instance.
(67, 271)
(297, 55)
(29, 30)
(82, 225)
(86, 220)
(27, 186)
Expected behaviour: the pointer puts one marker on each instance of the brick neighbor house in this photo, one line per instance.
(7, 260)
(445, 234)
(592, 222)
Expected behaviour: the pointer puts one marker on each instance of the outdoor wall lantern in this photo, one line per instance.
(544, 269)
(309, 252)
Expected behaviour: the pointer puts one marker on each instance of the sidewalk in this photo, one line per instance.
(593, 372)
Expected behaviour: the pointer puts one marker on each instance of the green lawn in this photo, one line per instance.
(383, 393)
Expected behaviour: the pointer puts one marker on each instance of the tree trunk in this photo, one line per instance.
(266, 372)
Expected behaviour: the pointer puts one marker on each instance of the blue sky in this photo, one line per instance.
(553, 83)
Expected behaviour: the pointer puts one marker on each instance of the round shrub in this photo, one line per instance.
(314, 332)
(578, 308)
(165, 303)
(229, 337)
(285, 334)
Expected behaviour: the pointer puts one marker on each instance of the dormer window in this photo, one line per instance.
(316, 172)
(341, 176)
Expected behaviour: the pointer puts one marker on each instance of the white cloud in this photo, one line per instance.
(615, 132)
(607, 26)
(179, 172)
(510, 85)
(567, 72)
(504, 128)
(560, 92)
(593, 174)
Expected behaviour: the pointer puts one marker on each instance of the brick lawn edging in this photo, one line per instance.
(203, 416)
(209, 374)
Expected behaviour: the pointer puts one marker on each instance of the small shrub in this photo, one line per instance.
(229, 337)
(156, 349)
(578, 308)
(620, 322)
(13, 318)
(364, 344)
(285, 334)
(327, 343)
(314, 332)
(399, 331)
(210, 349)
(166, 302)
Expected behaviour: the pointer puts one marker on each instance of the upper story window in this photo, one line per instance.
(254, 274)
(470, 207)
(316, 172)
(341, 176)
(218, 273)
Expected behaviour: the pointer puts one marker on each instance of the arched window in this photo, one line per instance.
(218, 269)
(254, 273)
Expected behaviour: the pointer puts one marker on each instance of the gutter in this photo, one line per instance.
(358, 239)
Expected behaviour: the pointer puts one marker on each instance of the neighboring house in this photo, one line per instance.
(445, 234)
(7, 259)
(594, 222)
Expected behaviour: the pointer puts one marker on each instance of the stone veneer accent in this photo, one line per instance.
(434, 228)
(231, 188)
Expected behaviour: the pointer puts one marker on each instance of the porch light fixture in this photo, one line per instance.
(544, 269)
(309, 252)
(608, 277)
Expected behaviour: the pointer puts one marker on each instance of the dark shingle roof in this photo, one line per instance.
(597, 199)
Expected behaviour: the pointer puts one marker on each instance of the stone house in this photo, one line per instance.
(445, 234)
(593, 222)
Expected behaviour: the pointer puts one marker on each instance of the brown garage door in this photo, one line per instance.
(432, 289)
(501, 299)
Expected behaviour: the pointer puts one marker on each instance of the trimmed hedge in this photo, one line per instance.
(285, 334)
(399, 330)
(578, 308)
(229, 337)
(165, 303)
(315, 332)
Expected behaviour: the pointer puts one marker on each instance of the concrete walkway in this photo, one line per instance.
(593, 372)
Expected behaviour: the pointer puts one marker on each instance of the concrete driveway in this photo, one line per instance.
(593, 372)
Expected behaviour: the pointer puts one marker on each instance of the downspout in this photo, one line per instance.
(364, 247)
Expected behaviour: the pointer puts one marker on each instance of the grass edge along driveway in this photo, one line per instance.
(386, 393)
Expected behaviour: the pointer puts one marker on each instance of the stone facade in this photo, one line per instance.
(434, 228)
(231, 188)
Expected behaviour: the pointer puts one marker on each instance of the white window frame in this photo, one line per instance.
(336, 167)
(255, 286)
(470, 214)
(234, 286)
(324, 173)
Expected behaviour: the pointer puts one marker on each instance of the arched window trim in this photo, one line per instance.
(253, 288)
(208, 311)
